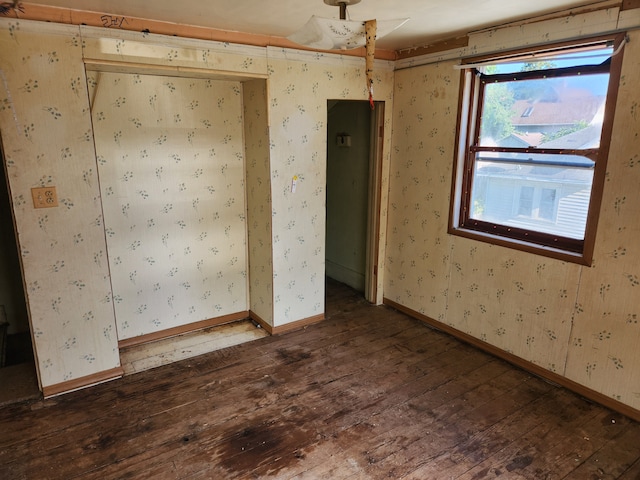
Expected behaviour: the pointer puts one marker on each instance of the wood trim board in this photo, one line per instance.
(82, 382)
(191, 327)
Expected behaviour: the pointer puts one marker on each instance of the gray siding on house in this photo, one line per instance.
(499, 198)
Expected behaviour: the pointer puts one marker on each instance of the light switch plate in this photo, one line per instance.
(44, 197)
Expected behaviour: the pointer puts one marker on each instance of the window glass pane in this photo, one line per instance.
(558, 113)
(547, 197)
(547, 203)
(525, 208)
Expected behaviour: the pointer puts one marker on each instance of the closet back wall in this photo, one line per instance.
(171, 169)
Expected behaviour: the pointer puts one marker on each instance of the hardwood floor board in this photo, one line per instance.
(343, 372)
(447, 425)
(480, 446)
(107, 398)
(333, 385)
(632, 473)
(614, 458)
(388, 411)
(367, 393)
(530, 447)
(162, 386)
(582, 443)
(387, 343)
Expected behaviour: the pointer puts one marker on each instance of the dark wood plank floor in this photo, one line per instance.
(367, 394)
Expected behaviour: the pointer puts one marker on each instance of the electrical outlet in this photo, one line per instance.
(44, 197)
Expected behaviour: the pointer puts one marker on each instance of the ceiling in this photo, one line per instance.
(430, 20)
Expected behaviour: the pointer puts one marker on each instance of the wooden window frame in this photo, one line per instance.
(468, 130)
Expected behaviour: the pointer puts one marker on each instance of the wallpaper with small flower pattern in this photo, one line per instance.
(48, 137)
(256, 138)
(580, 322)
(48, 141)
(299, 87)
(171, 165)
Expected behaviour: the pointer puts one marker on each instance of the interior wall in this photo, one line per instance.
(348, 192)
(579, 322)
(300, 84)
(256, 134)
(171, 172)
(47, 137)
(45, 120)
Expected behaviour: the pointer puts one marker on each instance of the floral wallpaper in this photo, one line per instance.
(47, 139)
(171, 167)
(300, 84)
(182, 236)
(256, 137)
(418, 248)
(603, 349)
(577, 321)
(580, 322)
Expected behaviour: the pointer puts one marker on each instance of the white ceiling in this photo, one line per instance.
(430, 20)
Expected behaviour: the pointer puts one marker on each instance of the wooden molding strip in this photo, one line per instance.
(463, 41)
(82, 382)
(190, 327)
(70, 16)
(289, 327)
(522, 363)
(297, 325)
(102, 65)
(443, 46)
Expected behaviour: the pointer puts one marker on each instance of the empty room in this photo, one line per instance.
(328, 239)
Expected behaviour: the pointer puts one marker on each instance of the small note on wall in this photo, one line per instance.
(44, 197)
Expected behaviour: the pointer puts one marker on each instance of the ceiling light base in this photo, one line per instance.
(343, 6)
(336, 3)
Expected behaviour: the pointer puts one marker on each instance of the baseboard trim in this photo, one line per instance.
(521, 363)
(288, 327)
(82, 382)
(182, 329)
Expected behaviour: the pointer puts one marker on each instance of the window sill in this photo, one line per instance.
(533, 248)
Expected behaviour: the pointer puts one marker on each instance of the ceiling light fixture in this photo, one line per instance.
(340, 34)
(331, 34)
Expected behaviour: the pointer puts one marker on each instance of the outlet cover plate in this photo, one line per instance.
(44, 197)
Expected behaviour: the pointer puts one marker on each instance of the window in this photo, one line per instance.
(533, 137)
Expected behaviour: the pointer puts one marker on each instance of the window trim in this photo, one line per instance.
(561, 248)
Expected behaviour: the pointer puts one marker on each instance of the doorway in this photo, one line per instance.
(17, 366)
(354, 147)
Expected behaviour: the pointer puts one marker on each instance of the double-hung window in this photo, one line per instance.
(533, 138)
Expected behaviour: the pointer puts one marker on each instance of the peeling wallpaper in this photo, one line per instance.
(579, 322)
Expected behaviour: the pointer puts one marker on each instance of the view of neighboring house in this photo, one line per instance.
(549, 193)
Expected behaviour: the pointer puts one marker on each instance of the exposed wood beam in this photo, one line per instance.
(450, 44)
